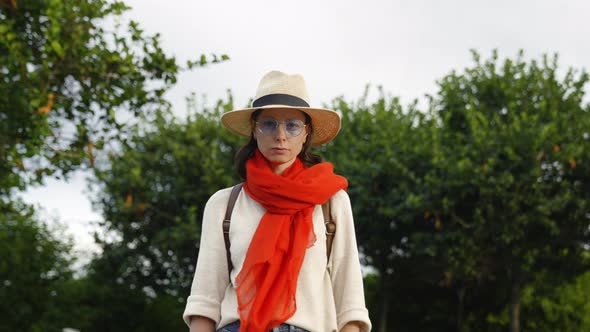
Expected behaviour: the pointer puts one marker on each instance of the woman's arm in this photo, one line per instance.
(211, 272)
(201, 324)
(345, 270)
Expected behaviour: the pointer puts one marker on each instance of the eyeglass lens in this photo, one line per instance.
(269, 126)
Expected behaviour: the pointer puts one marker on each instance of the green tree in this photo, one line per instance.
(385, 152)
(100, 301)
(34, 267)
(73, 75)
(511, 175)
(70, 84)
(462, 207)
(566, 307)
(152, 195)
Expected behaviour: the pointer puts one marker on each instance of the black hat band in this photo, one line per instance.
(280, 99)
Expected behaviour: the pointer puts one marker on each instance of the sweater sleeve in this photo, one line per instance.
(211, 273)
(345, 269)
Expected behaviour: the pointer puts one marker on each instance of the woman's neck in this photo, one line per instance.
(279, 169)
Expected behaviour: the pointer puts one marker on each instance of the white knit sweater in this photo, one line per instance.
(329, 294)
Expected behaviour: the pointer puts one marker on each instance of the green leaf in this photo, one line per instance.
(57, 48)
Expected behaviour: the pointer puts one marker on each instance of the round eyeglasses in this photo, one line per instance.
(270, 126)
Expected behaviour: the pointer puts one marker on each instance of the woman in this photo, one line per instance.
(281, 279)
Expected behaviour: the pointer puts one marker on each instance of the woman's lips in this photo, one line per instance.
(279, 150)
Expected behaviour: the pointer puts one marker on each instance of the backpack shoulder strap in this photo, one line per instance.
(330, 226)
(227, 220)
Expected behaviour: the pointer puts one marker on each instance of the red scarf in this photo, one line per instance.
(267, 283)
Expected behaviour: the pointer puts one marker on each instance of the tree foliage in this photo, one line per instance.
(384, 150)
(100, 301)
(34, 267)
(153, 193)
(70, 84)
(73, 76)
(512, 175)
(470, 201)
(565, 307)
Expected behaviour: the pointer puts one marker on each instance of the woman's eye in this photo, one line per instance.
(293, 125)
(269, 124)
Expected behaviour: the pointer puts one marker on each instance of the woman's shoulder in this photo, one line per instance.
(220, 197)
(340, 200)
(341, 196)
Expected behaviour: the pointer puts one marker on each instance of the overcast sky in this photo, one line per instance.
(339, 46)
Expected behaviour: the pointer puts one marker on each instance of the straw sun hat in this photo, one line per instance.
(280, 90)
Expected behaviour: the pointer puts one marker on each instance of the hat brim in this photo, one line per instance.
(325, 122)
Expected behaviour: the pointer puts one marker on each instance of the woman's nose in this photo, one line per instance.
(281, 133)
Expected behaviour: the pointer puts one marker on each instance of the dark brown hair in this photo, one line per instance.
(247, 151)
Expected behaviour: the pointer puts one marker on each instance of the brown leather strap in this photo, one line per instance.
(330, 227)
(226, 222)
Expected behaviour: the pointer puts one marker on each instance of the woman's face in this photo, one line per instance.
(280, 135)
